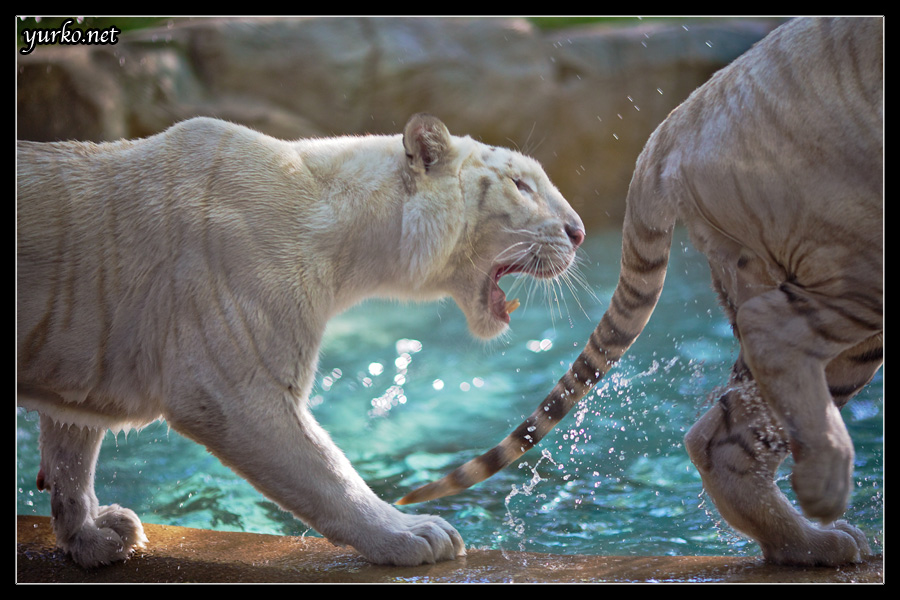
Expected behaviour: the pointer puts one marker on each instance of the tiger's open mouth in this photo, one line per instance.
(499, 305)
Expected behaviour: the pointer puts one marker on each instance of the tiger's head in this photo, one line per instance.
(477, 213)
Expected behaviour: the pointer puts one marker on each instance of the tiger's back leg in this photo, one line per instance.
(738, 445)
(789, 335)
(92, 534)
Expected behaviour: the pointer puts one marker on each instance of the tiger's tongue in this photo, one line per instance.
(500, 306)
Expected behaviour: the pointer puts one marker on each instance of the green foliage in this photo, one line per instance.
(625, 21)
(563, 22)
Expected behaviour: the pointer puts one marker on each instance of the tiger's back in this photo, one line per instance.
(112, 238)
(800, 200)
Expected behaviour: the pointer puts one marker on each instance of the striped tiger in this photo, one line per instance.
(190, 276)
(775, 166)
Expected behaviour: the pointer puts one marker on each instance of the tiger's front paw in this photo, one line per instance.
(113, 535)
(411, 540)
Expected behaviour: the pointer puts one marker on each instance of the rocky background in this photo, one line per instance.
(582, 100)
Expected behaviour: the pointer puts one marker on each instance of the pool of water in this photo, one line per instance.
(408, 395)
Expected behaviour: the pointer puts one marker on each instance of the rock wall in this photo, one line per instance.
(582, 101)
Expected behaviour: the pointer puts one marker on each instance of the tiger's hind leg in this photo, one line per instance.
(737, 447)
(810, 368)
(92, 534)
(788, 338)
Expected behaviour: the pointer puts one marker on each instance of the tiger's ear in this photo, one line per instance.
(426, 141)
(433, 213)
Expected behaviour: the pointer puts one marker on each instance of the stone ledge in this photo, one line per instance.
(181, 555)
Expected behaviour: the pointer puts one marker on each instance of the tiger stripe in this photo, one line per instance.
(645, 257)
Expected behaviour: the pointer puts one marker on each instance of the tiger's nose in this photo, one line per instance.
(576, 234)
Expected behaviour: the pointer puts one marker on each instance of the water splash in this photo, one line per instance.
(517, 524)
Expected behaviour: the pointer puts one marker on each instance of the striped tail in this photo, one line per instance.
(645, 257)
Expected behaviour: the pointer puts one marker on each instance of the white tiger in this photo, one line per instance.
(190, 275)
(775, 166)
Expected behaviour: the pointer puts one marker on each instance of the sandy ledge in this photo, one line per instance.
(181, 554)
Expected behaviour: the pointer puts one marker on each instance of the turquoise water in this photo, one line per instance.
(408, 395)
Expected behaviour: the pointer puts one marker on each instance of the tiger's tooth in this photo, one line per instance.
(512, 305)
